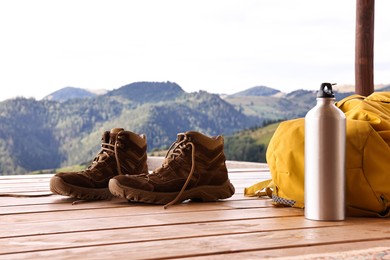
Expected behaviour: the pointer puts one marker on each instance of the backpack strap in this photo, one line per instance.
(263, 188)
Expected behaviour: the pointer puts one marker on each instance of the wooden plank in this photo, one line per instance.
(25, 190)
(92, 207)
(351, 250)
(62, 207)
(48, 223)
(21, 182)
(57, 199)
(40, 192)
(244, 170)
(13, 203)
(9, 201)
(18, 191)
(273, 241)
(25, 176)
(232, 165)
(151, 233)
(9, 188)
(10, 185)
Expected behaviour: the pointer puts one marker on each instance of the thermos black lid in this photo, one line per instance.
(326, 91)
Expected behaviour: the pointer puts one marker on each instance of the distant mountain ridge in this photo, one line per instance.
(69, 93)
(256, 91)
(134, 91)
(146, 92)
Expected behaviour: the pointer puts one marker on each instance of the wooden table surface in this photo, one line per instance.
(237, 228)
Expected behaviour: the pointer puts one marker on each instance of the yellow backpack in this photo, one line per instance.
(367, 164)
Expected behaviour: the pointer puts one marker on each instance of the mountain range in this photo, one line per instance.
(65, 127)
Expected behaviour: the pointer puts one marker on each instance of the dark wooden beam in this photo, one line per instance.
(364, 52)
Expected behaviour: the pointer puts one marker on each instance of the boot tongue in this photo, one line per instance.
(111, 139)
(116, 130)
(105, 139)
(108, 137)
(114, 133)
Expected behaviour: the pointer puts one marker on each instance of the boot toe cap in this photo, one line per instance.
(135, 181)
(79, 180)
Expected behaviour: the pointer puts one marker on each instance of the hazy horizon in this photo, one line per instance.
(339, 88)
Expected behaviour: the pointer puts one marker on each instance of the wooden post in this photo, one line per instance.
(364, 49)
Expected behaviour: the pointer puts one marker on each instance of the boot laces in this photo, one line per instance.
(106, 150)
(103, 154)
(177, 149)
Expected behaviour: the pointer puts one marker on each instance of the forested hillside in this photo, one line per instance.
(45, 134)
(249, 145)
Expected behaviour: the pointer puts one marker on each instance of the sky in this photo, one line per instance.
(220, 46)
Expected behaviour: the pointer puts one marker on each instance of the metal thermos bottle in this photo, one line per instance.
(325, 140)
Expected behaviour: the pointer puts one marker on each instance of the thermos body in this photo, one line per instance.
(325, 141)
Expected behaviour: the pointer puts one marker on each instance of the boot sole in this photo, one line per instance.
(58, 186)
(201, 193)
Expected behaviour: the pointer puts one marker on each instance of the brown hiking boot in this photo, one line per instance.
(194, 168)
(122, 152)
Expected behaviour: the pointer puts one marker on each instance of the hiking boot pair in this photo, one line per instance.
(194, 168)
